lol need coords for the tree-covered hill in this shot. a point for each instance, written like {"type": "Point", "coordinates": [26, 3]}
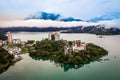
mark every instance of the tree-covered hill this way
{"type": "Point", "coordinates": [5, 59]}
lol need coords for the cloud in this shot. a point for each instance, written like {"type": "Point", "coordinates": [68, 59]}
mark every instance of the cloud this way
{"type": "Point", "coordinates": [77, 8]}
{"type": "Point", "coordinates": [51, 23]}
{"type": "Point", "coordinates": [44, 19]}
{"type": "Point", "coordinates": [110, 23]}
{"type": "Point", "coordinates": [111, 16]}
{"type": "Point", "coordinates": [43, 23]}
{"type": "Point", "coordinates": [51, 16]}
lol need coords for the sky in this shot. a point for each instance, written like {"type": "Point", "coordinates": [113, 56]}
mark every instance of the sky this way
{"type": "Point", "coordinates": [12, 11]}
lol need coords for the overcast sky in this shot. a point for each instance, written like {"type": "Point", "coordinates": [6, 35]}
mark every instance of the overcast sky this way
{"type": "Point", "coordinates": [82, 9]}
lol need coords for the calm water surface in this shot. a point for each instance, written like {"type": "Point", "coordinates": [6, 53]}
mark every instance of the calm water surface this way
{"type": "Point", "coordinates": [31, 69]}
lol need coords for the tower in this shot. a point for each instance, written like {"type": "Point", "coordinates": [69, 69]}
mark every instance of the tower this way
{"type": "Point", "coordinates": [10, 40]}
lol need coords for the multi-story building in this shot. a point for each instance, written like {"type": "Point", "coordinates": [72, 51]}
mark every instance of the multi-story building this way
{"type": "Point", "coordinates": [78, 45]}
{"type": "Point", "coordinates": [10, 40]}
{"type": "Point", "coordinates": [54, 36]}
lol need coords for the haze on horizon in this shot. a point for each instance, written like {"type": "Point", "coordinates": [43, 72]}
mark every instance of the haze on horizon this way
{"type": "Point", "coordinates": [13, 12]}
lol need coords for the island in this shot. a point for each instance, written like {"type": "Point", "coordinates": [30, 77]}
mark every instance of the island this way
{"type": "Point", "coordinates": [55, 50]}
{"type": "Point", "coordinates": [69, 53]}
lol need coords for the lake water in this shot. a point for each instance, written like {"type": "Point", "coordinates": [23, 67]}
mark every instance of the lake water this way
{"type": "Point", "coordinates": [31, 69]}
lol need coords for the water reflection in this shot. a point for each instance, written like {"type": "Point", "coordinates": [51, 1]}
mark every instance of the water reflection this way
{"type": "Point", "coordinates": [65, 67]}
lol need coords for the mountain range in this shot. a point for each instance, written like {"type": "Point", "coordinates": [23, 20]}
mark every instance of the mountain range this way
{"type": "Point", "coordinates": [51, 16]}
{"type": "Point", "coordinates": [98, 30]}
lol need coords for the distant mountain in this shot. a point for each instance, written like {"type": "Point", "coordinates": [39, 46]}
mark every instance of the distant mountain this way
{"type": "Point", "coordinates": [51, 16]}
{"type": "Point", "coordinates": [111, 16]}
{"type": "Point", "coordinates": [98, 30]}
{"type": "Point", "coordinates": [30, 29]}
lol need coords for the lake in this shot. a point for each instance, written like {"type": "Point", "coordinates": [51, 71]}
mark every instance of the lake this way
{"type": "Point", "coordinates": [35, 69]}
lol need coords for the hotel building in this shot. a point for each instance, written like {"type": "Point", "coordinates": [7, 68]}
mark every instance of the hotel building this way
{"type": "Point", "coordinates": [55, 36]}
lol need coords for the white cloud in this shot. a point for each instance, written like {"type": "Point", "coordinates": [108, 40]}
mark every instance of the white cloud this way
{"type": "Point", "coordinates": [83, 9]}
{"type": "Point", "coordinates": [110, 23]}
{"type": "Point", "coordinates": [50, 23]}
{"type": "Point", "coordinates": [43, 23]}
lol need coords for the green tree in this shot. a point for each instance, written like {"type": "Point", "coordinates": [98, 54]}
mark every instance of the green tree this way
{"type": "Point", "coordinates": [3, 37]}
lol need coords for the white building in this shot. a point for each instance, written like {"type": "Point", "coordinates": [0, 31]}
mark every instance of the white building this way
{"type": "Point", "coordinates": [14, 50]}
{"type": "Point", "coordinates": [17, 41]}
{"type": "Point", "coordinates": [68, 50]}
{"type": "Point", "coordinates": [1, 43]}
{"type": "Point", "coordinates": [54, 36]}
{"type": "Point", "coordinates": [10, 40]}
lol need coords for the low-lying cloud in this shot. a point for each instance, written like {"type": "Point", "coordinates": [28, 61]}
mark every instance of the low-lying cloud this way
{"type": "Point", "coordinates": [50, 23]}
{"type": "Point", "coordinates": [110, 23]}
{"type": "Point", "coordinates": [43, 23]}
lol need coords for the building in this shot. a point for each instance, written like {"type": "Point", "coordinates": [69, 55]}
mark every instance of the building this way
{"type": "Point", "coordinates": [14, 50]}
{"type": "Point", "coordinates": [13, 41]}
{"type": "Point", "coordinates": [1, 43]}
{"type": "Point", "coordinates": [78, 45]}
{"type": "Point", "coordinates": [10, 40]}
{"type": "Point", "coordinates": [17, 41]}
{"type": "Point", "coordinates": [54, 36]}
{"type": "Point", "coordinates": [68, 50]}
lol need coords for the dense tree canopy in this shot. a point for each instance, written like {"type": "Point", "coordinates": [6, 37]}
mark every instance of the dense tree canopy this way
{"type": "Point", "coordinates": [47, 47]}
{"type": "Point", "coordinates": [54, 50]}
{"type": "Point", "coordinates": [3, 37]}
{"type": "Point", "coordinates": [5, 59]}
{"type": "Point", "coordinates": [30, 41]}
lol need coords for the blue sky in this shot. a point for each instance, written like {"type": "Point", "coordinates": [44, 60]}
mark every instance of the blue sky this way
{"type": "Point", "coordinates": [82, 9]}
